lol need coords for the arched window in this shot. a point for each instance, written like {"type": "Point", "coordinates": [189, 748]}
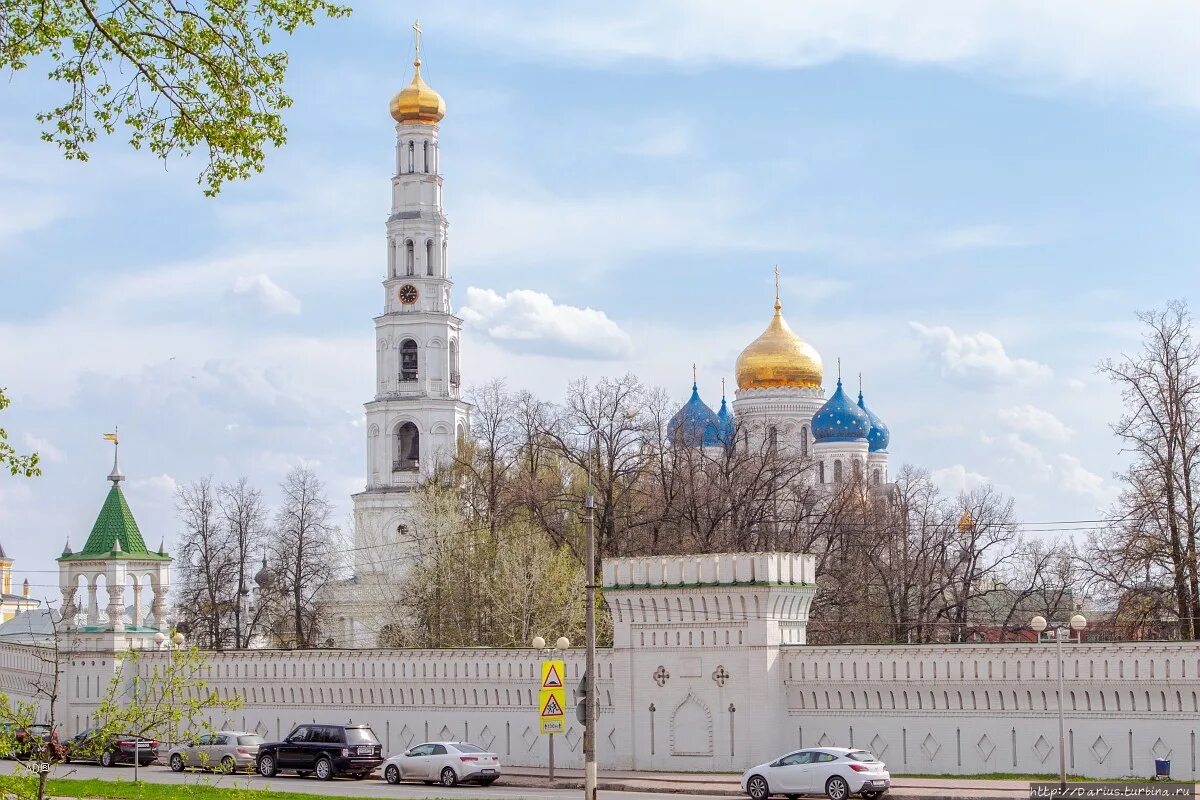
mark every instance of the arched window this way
{"type": "Point", "coordinates": [772, 438]}
{"type": "Point", "coordinates": [427, 156]}
{"type": "Point", "coordinates": [857, 470]}
{"type": "Point", "coordinates": [454, 374]}
{"type": "Point", "coordinates": [428, 256]}
{"type": "Point", "coordinates": [820, 472]}
{"type": "Point", "coordinates": [408, 447]}
{"type": "Point", "coordinates": [444, 271]}
{"type": "Point", "coordinates": [878, 477]}
{"type": "Point", "coordinates": [837, 471]}
{"type": "Point", "coordinates": [408, 360]}
{"type": "Point", "coordinates": [804, 441]}
{"type": "Point", "coordinates": [411, 156]}
{"type": "Point", "coordinates": [410, 258]}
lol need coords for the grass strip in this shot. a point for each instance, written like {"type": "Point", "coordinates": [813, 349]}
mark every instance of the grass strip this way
{"type": "Point", "coordinates": [94, 788]}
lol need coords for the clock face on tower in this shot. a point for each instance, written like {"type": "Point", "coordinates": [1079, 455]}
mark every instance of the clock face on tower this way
{"type": "Point", "coordinates": [407, 294]}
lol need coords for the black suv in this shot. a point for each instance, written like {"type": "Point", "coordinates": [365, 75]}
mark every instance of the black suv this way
{"type": "Point", "coordinates": [324, 751]}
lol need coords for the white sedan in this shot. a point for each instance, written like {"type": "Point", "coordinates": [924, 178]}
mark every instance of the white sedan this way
{"type": "Point", "coordinates": [447, 763]}
{"type": "Point", "coordinates": [836, 772]}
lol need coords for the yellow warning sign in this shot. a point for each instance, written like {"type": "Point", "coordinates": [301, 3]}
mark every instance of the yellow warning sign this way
{"type": "Point", "coordinates": [552, 707]}
{"type": "Point", "coordinates": [552, 674]}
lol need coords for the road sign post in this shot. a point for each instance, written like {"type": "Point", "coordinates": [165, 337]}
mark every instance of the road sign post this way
{"type": "Point", "coordinates": [552, 705]}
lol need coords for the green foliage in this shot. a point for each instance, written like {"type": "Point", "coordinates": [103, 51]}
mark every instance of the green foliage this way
{"type": "Point", "coordinates": [125, 790]}
{"type": "Point", "coordinates": [9, 458]}
{"type": "Point", "coordinates": [178, 76]}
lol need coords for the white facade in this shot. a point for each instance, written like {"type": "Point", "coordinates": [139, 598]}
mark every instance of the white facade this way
{"type": "Point", "coordinates": [709, 671]}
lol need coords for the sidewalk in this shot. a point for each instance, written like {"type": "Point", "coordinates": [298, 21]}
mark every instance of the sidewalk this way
{"type": "Point", "coordinates": [726, 784]}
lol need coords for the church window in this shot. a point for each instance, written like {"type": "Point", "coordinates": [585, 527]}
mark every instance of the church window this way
{"type": "Point", "coordinates": [455, 378]}
{"type": "Point", "coordinates": [857, 470]}
{"type": "Point", "coordinates": [427, 156]}
{"type": "Point", "coordinates": [428, 256]}
{"type": "Point", "coordinates": [804, 441]}
{"type": "Point", "coordinates": [837, 471]}
{"type": "Point", "coordinates": [408, 447]}
{"type": "Point", "coordinates": [408, 360]}
{"type": "Point", "coordinates": [878, 476]}
{"type": "Point", "coordinates": [444, 260]}
{"type": "Point", "coordinates": [772, 438]}
{"type": "Point", "coordinates": [820, 472]}
{"type": "Point", "coordinates": [411, 156]}
{"type": "Point", "coordinates": [409, 257]}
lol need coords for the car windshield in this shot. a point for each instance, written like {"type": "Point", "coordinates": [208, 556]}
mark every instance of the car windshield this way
{"type": "Point", "coordinates": [360, 736]}
{"type": "Point", "coordinates": [861, 755]}
{"type": "Point", "coordinates": [250, 738]}
{"type": "Point", "coordinates": [463, 747]}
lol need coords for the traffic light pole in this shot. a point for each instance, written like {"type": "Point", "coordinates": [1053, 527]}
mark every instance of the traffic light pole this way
{"type": "Point", "coordinates": [590, 701]}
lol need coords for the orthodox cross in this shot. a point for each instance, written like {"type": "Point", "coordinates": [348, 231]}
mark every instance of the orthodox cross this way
{"type": "Point", "coordinates": [776, 283]}
{"type": "Point", "coordinates": [720, 675]}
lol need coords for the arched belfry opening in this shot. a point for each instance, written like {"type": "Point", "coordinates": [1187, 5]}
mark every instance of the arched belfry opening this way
{"type": "Point", "coordinates": [408, 447]}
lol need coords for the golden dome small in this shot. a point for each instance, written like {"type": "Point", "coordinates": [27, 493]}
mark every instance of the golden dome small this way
{"type": "Point", "coordinates": [779, 359]}
{"type": "Point", "coordinates": [418, 103]}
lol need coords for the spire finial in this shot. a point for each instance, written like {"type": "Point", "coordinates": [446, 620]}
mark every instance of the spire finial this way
{"type": "Point", "coordinates": [116, 476]}
{"type": "Point", "coordinates": [860, 384]}
{"type": "Point", "coordinates": [722, 390]}
{"type": "Point", "coordinates": [694, 381]}
{"type": "Point", "coordinates": [839, 370]}
{"type": "Point", "coordinates": [778, 305]}
{"type": "Point", "coordinates": [417, 46]}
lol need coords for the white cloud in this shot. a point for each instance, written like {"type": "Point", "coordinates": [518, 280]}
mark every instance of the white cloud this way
{"type": "Point", "coordinates": [46, 450]}
{"type": "Point", "coordinates": [957, 479]}
{"type": "Point", "coordinates": [1076, 385]}
{"type": "Point", "coordinates": [272, 297]}
{"type": "Point", "coordinates": [972, 357]}
{"type": "Point", "coordinates": [1152, 49]}
{"type": "Point", "coordinates": [531, 321]}
{"type": "Point", "coordinates": [1074, 477]}
{"type": "Point", "coordinates": [1035, 421]}
{"type": "Point", "coordinates": [161, 484]}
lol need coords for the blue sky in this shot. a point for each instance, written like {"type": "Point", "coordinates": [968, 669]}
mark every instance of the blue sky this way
{"type": "Point", "coordinates": [967, 203]}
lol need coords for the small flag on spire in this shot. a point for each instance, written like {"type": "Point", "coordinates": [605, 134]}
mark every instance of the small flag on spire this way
{"type": "Point", "coordinates": [111, 437]}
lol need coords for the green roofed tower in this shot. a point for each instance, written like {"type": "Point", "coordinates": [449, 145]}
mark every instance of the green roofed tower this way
{"type": "Point", "coordinates": [116, 552]}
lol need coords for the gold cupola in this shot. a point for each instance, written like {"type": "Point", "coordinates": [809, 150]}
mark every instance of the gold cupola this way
{"type": "Point", "coordinates": [779, 358]}
{"type": "Point", "coordinates": [418, 103]}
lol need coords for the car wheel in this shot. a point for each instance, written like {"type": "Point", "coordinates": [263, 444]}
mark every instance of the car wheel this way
{"type": "Point", "coordinates": [228, 765]}
{"type": "Point", "coordinates": [757, 788]}
{"type": "Point", "coordinates": [176, 762]}
{"type": "Point", "coordinates": [449, 777]}
{"type": "Point", "coordinates": [266, 766]}
{"type": "Point", "coordinates": [391, 774]}
{"type": "Point", "coordinates": [836, 788]}
{"type": "Point", "coordinates": [324, 770]}
{"type": "Point", "coordinates": [107, 759]}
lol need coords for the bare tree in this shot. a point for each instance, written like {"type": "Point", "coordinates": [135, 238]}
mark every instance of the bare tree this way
{"type": "Point", "coordinates": [244, 517]}
{"type": "Point", "coordinates": [207, 565]}
{"type": "Point", "coordinates": [306, 551]}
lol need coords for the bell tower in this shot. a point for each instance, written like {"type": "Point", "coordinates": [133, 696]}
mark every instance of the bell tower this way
{"type": "Point", "coordinates": [417, 415]}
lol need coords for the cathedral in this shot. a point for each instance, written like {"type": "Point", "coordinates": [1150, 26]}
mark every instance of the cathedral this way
{"type": "Point", "coordinates": [418, 415]}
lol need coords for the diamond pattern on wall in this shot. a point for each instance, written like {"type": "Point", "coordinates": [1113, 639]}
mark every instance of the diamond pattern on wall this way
{"type": "Point", "coordinates": [486, 737]}
{"type": "Point", "coordinates": [446, 734]}
{"type": "Point", "coordinates": [878, 745]}
{"type": "Point", "coordinates": [529, 737]}
{"type": "Point", "coordinates": [1161, 749]}
{"type": "Point", "coordinates": [261, 728]}
{"type": "Point", "coordinates": [930, 746]}
{"type": "Point", "coordinates": [1100, 749]}
{"type": "Point", "coordinates": [986, 747]}
{"type": "Point", "coordinates": [1042, 748]}
{"type": "Point", "coordinates": [824, 741]}
{"type": "Point", "coordinates": [612, 738]}
{"type": "Point", "coordinates": [572, 738]}
{"type": "Point", "coordinates": [407, 737]}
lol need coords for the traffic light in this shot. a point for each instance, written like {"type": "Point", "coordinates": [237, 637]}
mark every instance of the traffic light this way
{"type": "Point", "coordinates": [581, 706]}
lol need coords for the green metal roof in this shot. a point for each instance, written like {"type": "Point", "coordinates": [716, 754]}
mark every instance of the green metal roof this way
{"type": "Point", "coordinates": [114, 524]}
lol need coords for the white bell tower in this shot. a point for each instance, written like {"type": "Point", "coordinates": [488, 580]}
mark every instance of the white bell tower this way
{"type": "Point", "coordinates": [417, 415]}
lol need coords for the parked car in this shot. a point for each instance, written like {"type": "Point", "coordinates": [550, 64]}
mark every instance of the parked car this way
{"type": "Point", "coordinates": [447, 763]}
{"type": "Point", "coordinates": [23, 742]}
{"type": "Point", "coordinates": [109, 750]}
{"type": "Point", "coordinates": [227, 751]}
{"type": "Point", "coordinates": [323, 750]}
{"type": "Point", "coordinates": [836, 772]}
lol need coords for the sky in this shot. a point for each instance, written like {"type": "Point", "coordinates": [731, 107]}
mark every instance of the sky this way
{"type": "Point", "coordinates": [967, 203]}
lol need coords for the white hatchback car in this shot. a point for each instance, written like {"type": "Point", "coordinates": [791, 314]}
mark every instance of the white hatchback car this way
{"type": "Point", "coordinates": [836, 772]}
{"type": "Point", "coordinates": [447, 763]}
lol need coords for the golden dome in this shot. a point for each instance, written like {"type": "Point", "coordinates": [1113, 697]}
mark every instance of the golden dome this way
{"type": "Point", "coordinates": [418, 103]}
{"type": "Point", "coordinates": [779, 358]}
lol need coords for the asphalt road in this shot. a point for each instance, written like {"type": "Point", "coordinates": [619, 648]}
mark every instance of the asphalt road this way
{"type": "Point", "coordinates": [371, 787]}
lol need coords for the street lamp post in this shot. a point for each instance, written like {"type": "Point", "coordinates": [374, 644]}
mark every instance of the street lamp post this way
{"type": "Point", "coordinates": [1061, 631]}
{"type": "Point", "coordinates": [560, 645]}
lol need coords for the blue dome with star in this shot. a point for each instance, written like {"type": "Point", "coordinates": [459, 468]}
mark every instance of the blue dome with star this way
{"type": "Point", "coordinates": [695, 423]}
{"type": "Point", "coordinates": [879, 436]}
{"type": "Point", "coordinates": [839, 420]}
{"type": "Point", "coordinates": [725, 428]}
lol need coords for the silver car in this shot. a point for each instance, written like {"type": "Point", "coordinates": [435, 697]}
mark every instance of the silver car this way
{"type": "Point", "coordinates": [224, 751]}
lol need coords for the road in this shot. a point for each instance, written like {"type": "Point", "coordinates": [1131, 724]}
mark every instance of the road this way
{"type": "Point", "coordinates": [372, 787]}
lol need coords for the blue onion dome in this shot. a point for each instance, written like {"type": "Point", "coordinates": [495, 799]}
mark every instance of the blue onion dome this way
{"type": "Point", "coordinates": [695, 423]}
{"type": "Point", "coordinates": [839, 420]}
{"type": "Point", "coordinates": [725, 428]}
{"type": "Point", "coordinates": [879, 435]}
